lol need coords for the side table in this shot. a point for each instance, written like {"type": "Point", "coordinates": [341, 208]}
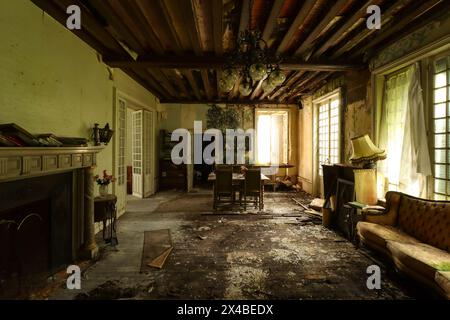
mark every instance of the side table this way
{"type": "Point", "coordinates": [105, 210]}
{"type": "Point", "coordinates": [356, 214]}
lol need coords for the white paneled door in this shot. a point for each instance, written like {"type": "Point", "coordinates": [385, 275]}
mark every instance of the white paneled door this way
{"type": "Point", "coordinates": [121, 183]}
{"type": "Point", "coordinates": [142, 153]}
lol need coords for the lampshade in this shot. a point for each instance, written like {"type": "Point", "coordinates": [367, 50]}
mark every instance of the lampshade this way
{"type": "Point", "coordinates": [365, 151]}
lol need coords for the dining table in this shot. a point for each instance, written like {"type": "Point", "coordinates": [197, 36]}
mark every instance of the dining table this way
{"type": "Point", "coordinates": [239, 177]}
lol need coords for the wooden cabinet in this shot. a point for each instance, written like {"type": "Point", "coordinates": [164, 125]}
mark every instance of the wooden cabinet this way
{"type": "Point", "coordinates": [172, 176]}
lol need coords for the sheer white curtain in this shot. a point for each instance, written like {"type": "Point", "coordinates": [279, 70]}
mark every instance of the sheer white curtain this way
{"type": "Point", "coordinates": [403, 134]}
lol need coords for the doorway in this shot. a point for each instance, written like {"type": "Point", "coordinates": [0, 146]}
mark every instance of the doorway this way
{"type": "Point", "coordinates": [134, 142]}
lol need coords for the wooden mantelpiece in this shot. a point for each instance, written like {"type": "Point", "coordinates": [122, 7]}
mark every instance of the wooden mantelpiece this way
{"type": "Point", "coordinates": [18, 163]}
{"type": "Point", "coordinates": [30, 162]}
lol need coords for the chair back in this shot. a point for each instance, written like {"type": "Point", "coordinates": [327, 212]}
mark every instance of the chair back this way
{"type": "Point", "coordinates": [224, 180]}
{"type": "Point", "coordinates": [237, 168]}
{"type": "Point", "coordinates": [253, 180]}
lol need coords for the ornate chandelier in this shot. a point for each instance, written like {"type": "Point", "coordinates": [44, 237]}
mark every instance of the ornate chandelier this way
{"type": "Point", "coordinates": [252, 62]}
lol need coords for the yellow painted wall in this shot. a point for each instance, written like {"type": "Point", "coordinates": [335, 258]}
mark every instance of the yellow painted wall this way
{"type": "Point", "coordinates": [51, 81]}
{"type": "Point", "coordinates": [182, 116]}
{"type": "Point", "coordinates": [305, 145]}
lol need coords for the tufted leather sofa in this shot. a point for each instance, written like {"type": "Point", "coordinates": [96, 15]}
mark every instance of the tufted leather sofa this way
{"type": "Point", "coordinates": [415, 234]}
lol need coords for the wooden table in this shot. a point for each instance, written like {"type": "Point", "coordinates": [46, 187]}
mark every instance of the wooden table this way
{"type": "Point", "coordinates": [239, 177]}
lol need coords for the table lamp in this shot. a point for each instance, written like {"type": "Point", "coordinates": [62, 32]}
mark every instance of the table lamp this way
{"type": "Point", "coordinates": [366, 154]}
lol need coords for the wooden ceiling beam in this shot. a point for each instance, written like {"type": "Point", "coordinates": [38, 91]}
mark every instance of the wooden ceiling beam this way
{"type": "Point", "coordinates": [335, 9]}
{"type": "Point", "coordinates": [207, 84]}
{"type": "Point", "coordinates": [302, 82]}
{"type": "Point", "coordinates": [288, 83]}
{"type": "Point", "coordinates": [257, 89]}
{"type": "Point", "coordinates": [225, 101]}
{"type": "Point", "coordinates": [162, 78]}
{"type": "Point", "coordinates": [387, 17]}
{"type": "Point", "coordinates": [218, 77]}
{"type": "Point", "coordinates": [235, 91]}
{"type": "Point", "coordinates": [272, 19]}
{"type": "Point", "coordinates": [358, 16]}
{"type": "Point", "coordinates": [213, 62]}
{"type": "Point", "coordinates": [297, 23]}
{"type": "Point", "coordinates": [179, 80]}
{"type": "Point", "coordinates": [114, 24]}
{"type": "Point", "coordinates": [144, 78]}
{"type": "Point", "coordinates": [54, 11]}
{"type": "Point", "coordinates": [245, 16]}
{"type": "Point", "coordinates": [217, 14]}
{"type": "Point", "coordinates": [404, 20]}
{"type": "Point", "coordinates": [193, 83]}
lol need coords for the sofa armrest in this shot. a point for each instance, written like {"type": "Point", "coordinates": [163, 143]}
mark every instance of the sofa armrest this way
{"type": "Point", "coordinates": [389, 215]}
{"type": "Point", "coordinates": [385, 218]}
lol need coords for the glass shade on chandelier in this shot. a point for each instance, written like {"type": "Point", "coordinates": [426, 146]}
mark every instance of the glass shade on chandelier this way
{"type": "Point", "coordinates": [245, 88]}
{"type": "Point", "coordinates": [267, 86]}
{"type": "Point", "coordinates": [257, 71]}
{"type": "Point", "coordinates": [230, 75]}
{"type": "Point", "coordinates": [226, 85]}
{"type": "Point", "coordinates": [277, 77]}
{"type": "Point", "coordinates": [251, 61]}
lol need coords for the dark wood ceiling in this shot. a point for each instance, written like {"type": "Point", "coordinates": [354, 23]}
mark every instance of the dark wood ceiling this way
{"type": "Point", "coordinates": [176, 48]}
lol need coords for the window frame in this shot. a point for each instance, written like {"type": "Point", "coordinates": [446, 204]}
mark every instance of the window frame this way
{"type": "Point", "coordinates": [432, 193]}
{"type": "Point", "coordinates": [316, 105]}
{"type": "Point", "coordinates": [425, 56]}
{"type": "Point", "coordinates": [288, 128]}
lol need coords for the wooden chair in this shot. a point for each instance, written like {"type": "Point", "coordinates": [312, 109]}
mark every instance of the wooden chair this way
{"type": "Point", "coordinates": [253, 187]}
{"type": "Point", "coordinates": [223, 186]}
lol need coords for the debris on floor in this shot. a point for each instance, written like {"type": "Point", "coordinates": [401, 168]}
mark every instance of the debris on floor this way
{"type": "Point", "coordinates": [110, 290]}
{"type": "Point", "coordinates": [156, 249]}
{"type": "Point", "coordinates": [244, 257]}
{"type": "Point", "coordinates": [317, 204]}
{"type": "Point", "coordinates": [300, 204]}
{"type": "Point", "coordinates": [159, 261]}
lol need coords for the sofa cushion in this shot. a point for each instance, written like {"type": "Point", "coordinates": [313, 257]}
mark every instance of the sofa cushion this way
{"type": "Point", "coordinates": [419, 258]}
{"type": "Point", "coordinates": [443, 280]}
{"type": "Point", "coordinates": [428, 221]}
{"type": "Point", "coordinates": [377, 235]}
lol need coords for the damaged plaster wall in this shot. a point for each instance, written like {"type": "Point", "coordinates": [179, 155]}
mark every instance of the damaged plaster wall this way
{"type": "Point", "coordinates": [356, 119]}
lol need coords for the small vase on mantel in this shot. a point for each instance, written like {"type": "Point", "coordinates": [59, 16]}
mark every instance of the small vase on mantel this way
{"type": "Point", "coordinates": [103, 190]}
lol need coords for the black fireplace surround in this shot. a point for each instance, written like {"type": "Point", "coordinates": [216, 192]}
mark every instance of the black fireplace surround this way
{"type": "Point", "coordinates": [36, 230]}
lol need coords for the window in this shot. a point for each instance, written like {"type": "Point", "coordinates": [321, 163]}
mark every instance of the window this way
{"type": "Point", "coordinates": [271, 136]}
{"type": "Point", "coordinates": [441, 127]}
{"type": "Point", "coordinates": [328, 128]}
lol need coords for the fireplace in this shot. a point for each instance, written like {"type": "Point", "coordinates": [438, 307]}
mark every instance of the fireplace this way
{"type": "Point", "coordinates": [36, 231]}
{"type": "Point", "coordinates": [46, 213]}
